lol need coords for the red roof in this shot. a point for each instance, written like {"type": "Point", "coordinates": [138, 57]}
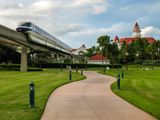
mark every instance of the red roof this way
{"type": "Point", "coordinates": [150, 39]}
{"type": "Point", "coordinates": [130, 40]}
{"type": "Point", "coordinates": [97, 57]}
{"type": "Point", "coordinates": [127, 40]}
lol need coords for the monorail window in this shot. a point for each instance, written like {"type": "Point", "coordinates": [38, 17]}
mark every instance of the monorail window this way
{"type": "Point", "coordinates": [25, 24]}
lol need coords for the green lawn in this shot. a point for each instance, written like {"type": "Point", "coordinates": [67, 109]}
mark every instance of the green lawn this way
{"type": "Point", "coordinates": [14, 92]}
{"type": "Point", "coordinates": [141, 88]}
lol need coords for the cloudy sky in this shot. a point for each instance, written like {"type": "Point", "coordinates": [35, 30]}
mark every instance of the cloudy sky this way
{"type": "Point", "coordinates": [78, 22]}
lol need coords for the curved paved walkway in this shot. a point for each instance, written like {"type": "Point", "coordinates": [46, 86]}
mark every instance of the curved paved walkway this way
{"type": "Point", "coordinates": [90, 99]}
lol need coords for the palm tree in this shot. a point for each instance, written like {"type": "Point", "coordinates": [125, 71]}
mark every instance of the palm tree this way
{"type": "Point", "coordinates": [141, 45]}
{"type": "Point", "coordinates": [104, 42]}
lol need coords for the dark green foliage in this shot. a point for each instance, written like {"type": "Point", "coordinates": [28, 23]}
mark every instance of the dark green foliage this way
{"type": "Point", "coordinates": [8, 55]}
{"type": "Point", "coordinates": [140, 50]}
{"type": "Point", "coordinates": [9, 66]}
{"type": "Point", "coordinates": [58, 65]}
{"type": "Point", "coordinates": [113, 54]}
{"type": "Point", "coordinates": [108, 49]}
{"type": "Point", "coordinates": [16, 67]}
{"type": "Point", "coordinates": [91, 51]}
{"type": "Point", "coordinates": [133, 53]}
{"type": "Point", "coordinates": [67, 61]}
{"type": "Point", "coordinates": [34, 69]}
{"type": "Point", "coordinates": [104, 42]}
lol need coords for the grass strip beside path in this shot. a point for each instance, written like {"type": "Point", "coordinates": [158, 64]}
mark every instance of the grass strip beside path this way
{"type": "Point", "coordinates": [14, 92]}
{"type": "Point", "coordinates": [140, 88]}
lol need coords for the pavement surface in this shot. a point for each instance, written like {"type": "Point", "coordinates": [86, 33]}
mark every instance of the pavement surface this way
{"type": "Point", "coordinates": [90, 99]}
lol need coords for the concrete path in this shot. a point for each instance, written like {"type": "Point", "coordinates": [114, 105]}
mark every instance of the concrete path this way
{"type": "Point", "coordinates": [90, 99]}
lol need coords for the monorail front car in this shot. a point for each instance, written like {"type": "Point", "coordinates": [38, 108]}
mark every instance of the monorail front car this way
{"type": "Point", "coordinates": [39, 36]}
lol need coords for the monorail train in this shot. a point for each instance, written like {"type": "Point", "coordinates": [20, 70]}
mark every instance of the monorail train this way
{"type": "Point", "coordinates": [39, 36]}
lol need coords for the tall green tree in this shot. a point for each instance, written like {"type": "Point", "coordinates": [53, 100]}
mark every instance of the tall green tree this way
{"type": "Point", "coordinates": [123, 52]}
{"type": "Point", "coordinates": [113, 53]}
{"type": "Point", "coordinates": [109, 49]}
{"type": "Point", "coordinates": [104, 42]}
{"type": "Point", "coordinates": [158, 49]}
{"type": "Point", "coordinates": [91, 51]}
{"type": "Point", "coordinates": [141, 45]}
{"type": "Point", "coordinates": [131, 52]}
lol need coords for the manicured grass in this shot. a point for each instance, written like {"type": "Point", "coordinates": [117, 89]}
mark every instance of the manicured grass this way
{"type": "Point", "coordinates": [141, 88]}
{"type": "Point", "coordinates": [14, 92]}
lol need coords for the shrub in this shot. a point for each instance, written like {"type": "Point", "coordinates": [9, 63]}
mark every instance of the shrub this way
{"type": "Point", "coordinates": [16, 67]}
{"type": "Point", "coordinates": [138, 61]}
{"type": "Point", "coordinates": [63, 65]}
{"type": "Point", "coordinates": [151, 62]}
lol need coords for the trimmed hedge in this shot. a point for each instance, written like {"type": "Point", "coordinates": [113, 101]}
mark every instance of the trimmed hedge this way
{"type": "Point", "coordinates": [38, 67]}
{"type": "Point", "coordinates": [151, 62]}
{"type": "Point", "coordinates": [16, 67]}
{"type": "Point", "coordinates": [9, 66]}
{"type": "Point", "coordinates": [34, 69]}
{"type": "Point", "coordinates": [59, 65]}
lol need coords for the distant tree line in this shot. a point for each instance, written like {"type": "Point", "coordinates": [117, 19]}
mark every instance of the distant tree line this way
{"type": "Point", "coordinates": [137, 52]}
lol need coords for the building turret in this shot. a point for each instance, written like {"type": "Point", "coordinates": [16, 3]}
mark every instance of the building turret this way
{"type": "Point", "coordinates": [116, 39]}
{"type": "Point", "coordinates": [136, 31]}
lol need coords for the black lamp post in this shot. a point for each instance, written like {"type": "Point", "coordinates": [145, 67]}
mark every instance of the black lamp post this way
{"type": "Point", "coordinates": [81, 71]}
{"type": "Point", "coordinates": [122, 74]}
{"type": "Point", "coordinates": [86, 67]}
{"type": "Point", "coordinates": [31, 95]}
{"type": "Point", "coordinates": [61, 67]}
{"type": "Point", "coordinates": [70, 73]}
{"type": "Point", "coordinates": [77, 68]}
{"type": "Point", "coordinates": [118, 82]}
{"type": "Point", "coordinates": [104, 70]}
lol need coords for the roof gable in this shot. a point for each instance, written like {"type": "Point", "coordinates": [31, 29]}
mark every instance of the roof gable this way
{"type": "Point", "coordinates": [97, 57]}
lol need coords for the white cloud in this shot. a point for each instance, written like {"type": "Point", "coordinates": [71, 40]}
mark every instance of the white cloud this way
{"type": "Point", "coordinates": [114, 29]}
{"type": "Point", "coordinates": [90, 6]}
{"type": "Point", "coordinates": [150, 31]}
{"type": "Point", "coordinates": [63, 29]}
{"type": "Point", "coordinates": [49, 11]}
{"type": "Point", "coordinates": [91, 34]}
{"type": "Point", "coordinates": [78, 3]}
{"type": "Point", "coordinates": [97, 9]}
{"type": "Point", "coordinates": [38, 12]}
{"type": "Point", "coordinates": [34, 9]}
{"type": "Point", "coordinates": [42, 6]}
